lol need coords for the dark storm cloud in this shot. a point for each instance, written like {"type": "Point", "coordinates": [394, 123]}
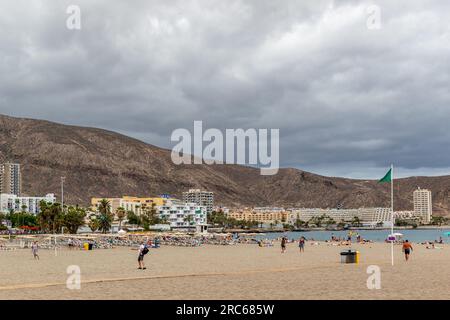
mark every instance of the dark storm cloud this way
{"type": "Point", "coordinates": [347, 100]}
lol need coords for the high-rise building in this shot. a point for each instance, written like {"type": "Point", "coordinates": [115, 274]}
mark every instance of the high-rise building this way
{"type": "Point", "coordinates": [31, 205]}
{"type": "Point", "coordinates": [423, 206]}
{"type": "Point", "coordinates": [10, 178]}
{"type": "Point", "coordinates": [200, 197]}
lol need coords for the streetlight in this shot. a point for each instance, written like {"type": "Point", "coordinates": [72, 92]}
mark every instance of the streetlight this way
{"type": "Point", "coordinates": [63, 179]}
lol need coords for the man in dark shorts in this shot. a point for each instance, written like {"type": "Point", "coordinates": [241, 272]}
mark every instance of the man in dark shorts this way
{"type": "Point", "coordinates": [141, 253]}
{"type": "Point", "coordinates": [407, 248]}
{"type": "Point", "coordinates": [283, 244]}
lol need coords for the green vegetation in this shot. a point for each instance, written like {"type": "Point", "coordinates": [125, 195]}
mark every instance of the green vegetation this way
{"type": "Point", "coordinates": [149, 217]}
{"type": "Point", "coordinates": [104, 216]}
{"type": "Point", "coordinates": [74, 218]}
{"type": "Point", "coordinates": [356, 222]}
{"type": "Point", "coordinates": [405, 223]}
{"type": "Point", "coordinates": [133, 218]}
{"type": "Point", "coordinates": [300, 223]}
{"type": "Point", "coordinates": [321, 221]}
{"type": "Point", "coordinates": [53, 219]}
{"type": "Point", "coordinates": [19, 219]}
{"type": "Point", "coordinates": [439, 220]}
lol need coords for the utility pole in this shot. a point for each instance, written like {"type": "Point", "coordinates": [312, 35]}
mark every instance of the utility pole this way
{"type": "Point", "coordinates": [63, 179]}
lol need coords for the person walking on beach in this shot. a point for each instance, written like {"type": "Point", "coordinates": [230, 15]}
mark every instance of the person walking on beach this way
{"type": "Point", "coordinates": [143, 250]}
{"type": "Point", "coordinates": [301, 244]}
{"type": "Point", "coordinates": [34, 250]}
{"type": "Point", "coordinates": [407, 248]}
{"type": "Point", "coordinates": [283, 244]}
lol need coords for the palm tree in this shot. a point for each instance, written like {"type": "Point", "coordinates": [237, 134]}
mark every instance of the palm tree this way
{"type": "Point", "coordinates": [188, 219]}
{"type": "Point", "coordinates": [164, 220]}
{"type": "Point", "coordinates": [94, 225]}
{"type": "Point", "coordinates": [120, 213]}
{"type": "Point", "coordinates": [105, 217]}
{"type": "Point", "coordinates": [356, 222]}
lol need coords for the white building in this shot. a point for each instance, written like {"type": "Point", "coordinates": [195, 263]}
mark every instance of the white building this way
{"type": "Point", "coordinates": [423, 206]}
{"type": "Point", "coordinates": [10, 202]}
{"type": "Point", "coordinates": [200, 197]}
{"type": "Point", "coordinates": [268, 209]}
{"type": "Point", "coordinates": [368, 216]}
{"type": "Point", "coordinates": [183, 215]}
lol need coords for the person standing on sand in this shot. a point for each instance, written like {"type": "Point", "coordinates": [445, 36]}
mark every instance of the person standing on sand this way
{"type": "Point", "coordinates": [283, 244]}
{"type": "Point", "coordinates": [301, 244]}
{"type": "Point", "coordinates": [143, 250]}
{"type": "Point", "coordinates": [407, 248]}
{"type": "Point", "coordinates": [34, 250]}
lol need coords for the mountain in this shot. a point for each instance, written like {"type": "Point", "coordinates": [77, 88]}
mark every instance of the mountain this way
{"type": "Point", "coordinates": [101, 163]}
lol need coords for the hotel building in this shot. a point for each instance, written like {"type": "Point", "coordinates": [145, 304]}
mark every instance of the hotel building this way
{"type": "Point", "coordinates": [369, 216]}
{"type": "Point", "coordinates": [10, 202]}
{"type": "Point", "coordinates": [200, 197]}
{"type": "Point", "coordinates": [183, 215]}
{"type": "Point", "coordinates": [423, 206]}
{"type": "Point", "coordinates": [10, 178]}
{"type": "Point", "coordinates": [134, 204]}
{"type": "Point", "coordinates": [265, 217]}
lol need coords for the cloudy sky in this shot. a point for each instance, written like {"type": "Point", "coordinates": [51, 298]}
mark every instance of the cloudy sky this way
{"type": "Point", "coordinates": [350, 93]}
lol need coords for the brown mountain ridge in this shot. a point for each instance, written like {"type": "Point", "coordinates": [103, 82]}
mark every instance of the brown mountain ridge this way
{"type": "Point", "coordinates": [102, 163]}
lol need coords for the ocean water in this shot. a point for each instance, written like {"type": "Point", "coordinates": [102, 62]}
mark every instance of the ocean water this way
{"type": "Point", "coordinates": [373, 235]}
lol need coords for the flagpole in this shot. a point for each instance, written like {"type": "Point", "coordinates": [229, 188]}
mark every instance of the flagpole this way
{"type": "Point", "coordinates": [392, 213]}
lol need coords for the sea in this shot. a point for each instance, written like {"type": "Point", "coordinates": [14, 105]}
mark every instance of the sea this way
{"type": "Point", "coordinates": [412, 235]}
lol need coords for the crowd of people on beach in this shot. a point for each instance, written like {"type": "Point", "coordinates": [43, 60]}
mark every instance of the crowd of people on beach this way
{"type": "Point", "coordinates": [142, 242]}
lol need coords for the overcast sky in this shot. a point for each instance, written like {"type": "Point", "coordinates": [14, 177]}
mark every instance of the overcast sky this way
{"type": "Point", "coordinates": [348, 99]}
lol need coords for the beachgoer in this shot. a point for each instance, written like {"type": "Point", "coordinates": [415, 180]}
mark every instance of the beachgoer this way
{"type": "Point", "coordinates": [301, 244]}
{"type": "Point", "coordinates": [34, 250]}
{"type": "Point", "coordinates": [143, 250]}
{"type": "Point", "coordinates": [283, 244]}
{"type": "Point", "coordinates": [70, 243]}
{"type": "Point", "coordinates": [407, 248]}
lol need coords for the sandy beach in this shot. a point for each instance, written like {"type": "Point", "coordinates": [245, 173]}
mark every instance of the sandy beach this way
{"type": "Point", "coordinates": [227, 272]}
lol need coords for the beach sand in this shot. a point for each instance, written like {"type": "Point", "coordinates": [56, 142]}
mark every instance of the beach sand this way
{"type": "Point", "coordinates": [227, 272]}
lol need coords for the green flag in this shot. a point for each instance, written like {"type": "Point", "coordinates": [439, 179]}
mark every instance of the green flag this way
{"type": "Point", "coordinates": [387, 177]}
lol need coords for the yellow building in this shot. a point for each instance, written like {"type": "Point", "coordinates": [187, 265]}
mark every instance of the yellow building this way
{"type": "Point", "coordinates": [129, 203]}
{"type": "Point", "coordinates": [264, 217]}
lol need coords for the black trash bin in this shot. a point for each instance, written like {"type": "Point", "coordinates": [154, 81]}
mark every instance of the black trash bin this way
{"type": "Point", "coordinates": [348, 256]}
{"type": "Point", "coordinates": [91, 246]}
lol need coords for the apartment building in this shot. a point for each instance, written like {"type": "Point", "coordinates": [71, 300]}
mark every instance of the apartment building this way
{"type": "Point", "coordinates": [423, 206]}
{"type": "Point", "coordinates": [31, 205]}
{"type": "Point", "coordinates": [183, 215]}
{"type": "Point", "coordinates": [134, 204]}
{"type": "Point", "coordinates": [367, 216]}
{"type": "Point", "coordinates": [265, 217]}
{"type": "Point", "coordinates": [200, 197]}
{"type": "Point", "coordinates": [10, 179]}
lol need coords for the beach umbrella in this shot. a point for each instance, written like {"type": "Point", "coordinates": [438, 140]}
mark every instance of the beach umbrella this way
{"type": "Point", "coordinates": [396, 234]}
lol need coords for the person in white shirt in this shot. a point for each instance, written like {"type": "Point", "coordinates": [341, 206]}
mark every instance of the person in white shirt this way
{"type": "Point", "coordinates": [141, 252]}
{"type": "Point", "coordinates": [34, 250]}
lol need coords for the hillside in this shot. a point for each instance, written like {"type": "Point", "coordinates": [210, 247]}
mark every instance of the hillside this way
{"type": "Point", "coordinates": [101, 163]}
